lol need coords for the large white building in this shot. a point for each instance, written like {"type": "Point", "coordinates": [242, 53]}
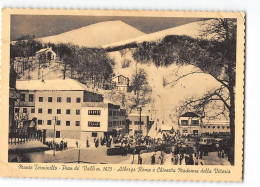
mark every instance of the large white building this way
{"type": "Point", "coordinates": [47, 99]}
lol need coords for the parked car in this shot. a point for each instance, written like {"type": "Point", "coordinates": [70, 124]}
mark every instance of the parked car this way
{"type": "Point", "coordinates": [118, 150]}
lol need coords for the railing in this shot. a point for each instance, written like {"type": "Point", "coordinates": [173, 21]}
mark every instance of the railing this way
{"type": "Point", "coordinates": [19, 136]}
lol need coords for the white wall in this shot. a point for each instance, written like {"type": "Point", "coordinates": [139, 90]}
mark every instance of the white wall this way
{"type": "Point", "coordinates": [102, 118]}
{"type": "Point", "coordinates": [54, 105]}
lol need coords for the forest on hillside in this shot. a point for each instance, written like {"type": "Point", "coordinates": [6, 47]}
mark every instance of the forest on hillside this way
{"type": "Point", "coordinates": [80, 63]}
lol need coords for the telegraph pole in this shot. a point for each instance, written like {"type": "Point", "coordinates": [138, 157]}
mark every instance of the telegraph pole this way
{"type": "Point", "coordinates": [140, 119]}
{"type": "Point", "coordinates": [54, 133]}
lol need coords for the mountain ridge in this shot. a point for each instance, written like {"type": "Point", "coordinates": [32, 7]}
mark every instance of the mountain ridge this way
{"type": "Point", "coordinates": [96, 35]}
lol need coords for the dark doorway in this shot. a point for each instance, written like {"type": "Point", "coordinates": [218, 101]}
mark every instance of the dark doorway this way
{"type": "Point", "coordinates": [57, 134]}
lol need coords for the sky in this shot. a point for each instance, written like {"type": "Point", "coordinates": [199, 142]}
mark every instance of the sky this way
{"type": "Point", "coordinates": [48, 25]}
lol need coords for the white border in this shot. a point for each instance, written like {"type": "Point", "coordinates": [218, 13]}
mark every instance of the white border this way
{"type": "Point", "coordinates": [252, 125]}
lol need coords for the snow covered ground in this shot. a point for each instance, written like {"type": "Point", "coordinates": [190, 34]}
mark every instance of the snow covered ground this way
{"type": "Point", "coordinates": [96, 35]}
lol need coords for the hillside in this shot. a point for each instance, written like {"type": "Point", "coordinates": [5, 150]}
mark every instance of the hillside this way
{"type": "Point", "coordinates": [190, 29]}
{"type": "Point", "coordinates": [96, 35]}
{"type": "Point", "coordinates": [165, 99]}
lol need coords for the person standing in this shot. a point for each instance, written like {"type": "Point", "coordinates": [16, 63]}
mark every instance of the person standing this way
{"type": "Point", "coordinates": [153, 159]}
{"type": "Point", "coordinates": [140, 160]}
{"type": "Point", "coordinates": [87, 144]}
{"type": "Point", "coordinates": [96, 144]}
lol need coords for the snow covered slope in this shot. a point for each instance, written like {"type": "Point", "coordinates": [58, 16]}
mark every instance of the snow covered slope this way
{"type": "Point", "coordinates": [165, 99]}
{"type": "Point", "coordinates": [191, 29]}
{"type": "Point", "coordinates": [96, 35]}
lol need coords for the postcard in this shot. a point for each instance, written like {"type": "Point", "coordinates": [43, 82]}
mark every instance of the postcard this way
{"type": "Point", "coordinates": [122, 94]}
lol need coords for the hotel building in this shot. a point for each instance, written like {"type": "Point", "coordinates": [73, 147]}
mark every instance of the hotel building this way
{"type": "Point", "coordinates": [102, 119]}
{"type": "Point", "coordinates": [55, 102]}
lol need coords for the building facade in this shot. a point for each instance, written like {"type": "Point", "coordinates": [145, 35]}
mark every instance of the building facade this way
{"type": "Point", "coordinates": [121, 82]}
{"type": "Point", "coordinates": [216, 127]}
{"type": "Point", "coordinates": [190, 123]}
{"type": "Point", "coordinates": [46, 53]}
{"type": "Point", "coordinates": [54, 102]}
{"type": "Point", "coordinates": [102, 120]}
{"type": "Point", "coordinates": [137, 126]}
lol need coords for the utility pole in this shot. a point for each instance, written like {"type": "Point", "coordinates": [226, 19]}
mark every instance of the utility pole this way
{"type": "Point", "coordinates": [54, 133]}
{"type": "Point", "coordinates": [140, 119]}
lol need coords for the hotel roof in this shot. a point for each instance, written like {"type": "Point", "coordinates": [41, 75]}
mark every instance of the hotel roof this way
{"type": "Point", "coordinates": [43, 50]}
{"type": "Point", "coordinates": [59, 84]}
{"type": "Point", "coordinates": [189, 114]}
{"type": "Point", "coordinates": [137, 115]}
{"type": "Point", "coordinates": [101, 104]}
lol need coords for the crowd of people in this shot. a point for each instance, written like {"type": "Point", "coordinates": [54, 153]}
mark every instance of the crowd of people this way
{"type": "Point", "coordinates": [57, 146]}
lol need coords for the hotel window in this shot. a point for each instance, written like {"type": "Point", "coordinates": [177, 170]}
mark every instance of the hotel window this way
{"type": "Point", "coordinates": [31, 97]}
{"type": "Point", "coordinates": [110, 124]}
{"type": "Point", "coordinates": [49, 111]}
{"type": "Point", "coordinates": [22, 97]}
{"type": "Point", "coordinates": [77, 123]}
{"type": "Point", "coordinates": [209, 127]}
{"type": "Point", "coordinates": [58, 122]}
{"type": "Point", "coordinates": [68, 111]}
{"type": "Point", "coordinates": [94, 134]}
{"type": "Point", "coordinates": [77, 112]}
{"type": "Point", "coordinates": [130, 122]}
{"type": "Point", "coordinates": [94, 112]}
{"type": "Point", "coordinates": [218, 127]}
{"type": "Point", "coordinates": [39, 110]}
{"type": "Point", "coordinates": [49, 122]}
{"type": "Point", "coordinates": [110, 113]}
{"type": "Point", "coordinates": [67, 123]}
{"type": "Point", "coordinates": [194, 122]}
{"type": "Point", "coordinates": [49, 99]}
{"type": "Point", "coordinates": [223, 127]}
{"type": "Point", "coordinates": [94, 124]}
{"type": "Point", "coordinates": [78, 99]}
{"type": "Point", "coordinates": [227, 127]}
{"type": "Point", "coordinates": [204, 127]}
{"type": "Point", "coordinates": [16, 110]}
{"type": "Point", "coordinates": [213, 127]}
{"type": "Point", "coordinates": [59, 99]}
{"type": "Point", "coordinates": [32, 110]}
{"type": "Point", "coordinates": [58, 111]}
{"type": "Point", "coordinates": [184, 122]}
{"type": "Point", "coordinates": [24, 110]}
{"type": "Point", "coordinates": [114, 113]}
{"type": "Point", "coordinates": [68, 99]}
{"type": "Point", "coordinates": [40, 99]}
{"type": "Point", "coordinates": [40, 122]}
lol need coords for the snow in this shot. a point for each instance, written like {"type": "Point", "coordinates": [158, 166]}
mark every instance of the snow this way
{"type": "Point", "coordinates": [96, 35]}
{"type": "Point", "coordinates": [136, 115]}
{"type": "Point", "coordinates": [190, 29]}
{"type": "Point", "coordinates": [165, 98]}
{"type": "Point", "coordinates": [58, 84]}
